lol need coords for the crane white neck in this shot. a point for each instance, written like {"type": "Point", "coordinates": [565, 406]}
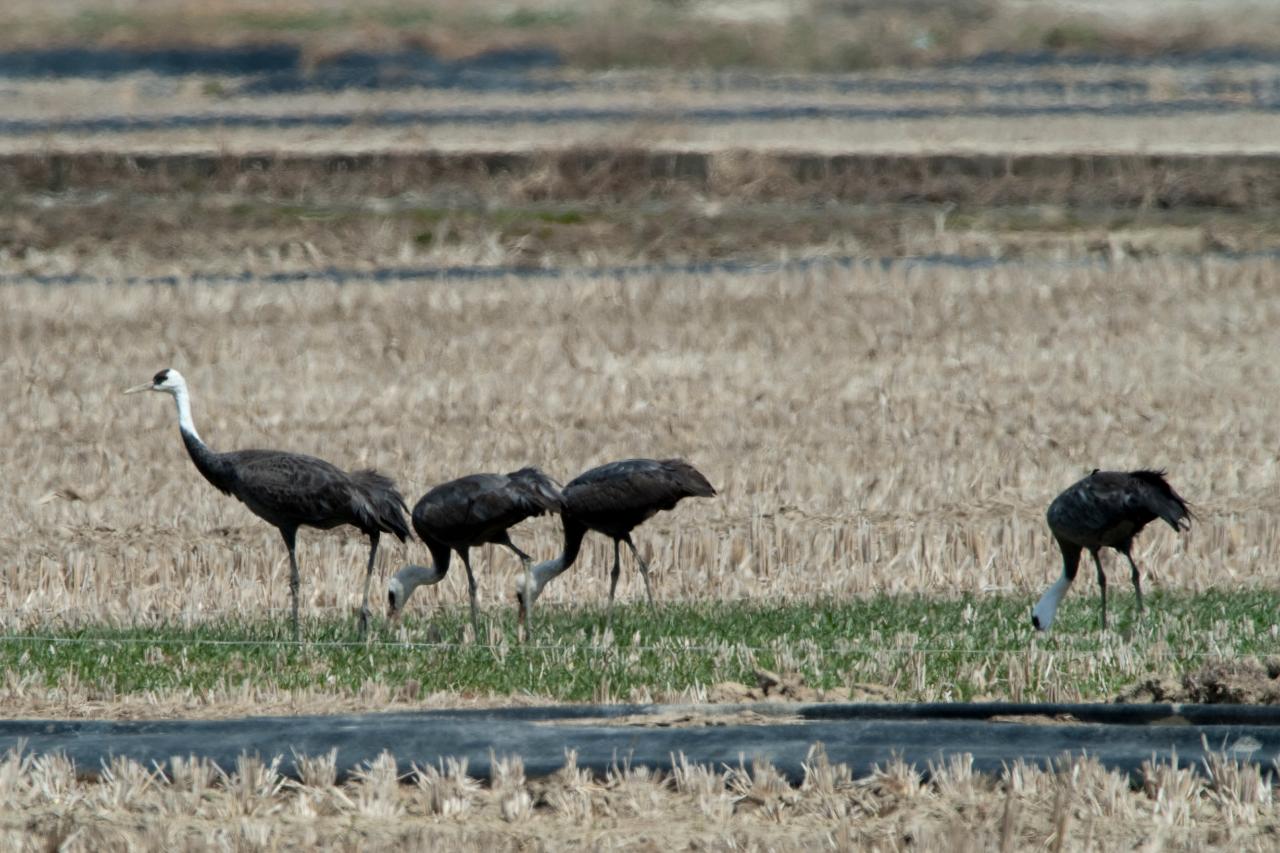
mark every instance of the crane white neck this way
{"type": "Point", "coordinates": [1047, 607]}
{"type": "Point", "coordinates": [543, 574]}
{"type": "Point", "coordinates": [183, 401]}
{"type": "Point", "coordinates": [410, 578]}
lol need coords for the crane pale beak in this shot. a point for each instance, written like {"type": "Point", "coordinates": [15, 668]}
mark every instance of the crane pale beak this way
{"type": "Point", "coordinates": [145, 386]}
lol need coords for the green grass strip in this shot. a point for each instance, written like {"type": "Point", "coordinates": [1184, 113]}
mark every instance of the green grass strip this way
{"type": "Point", "coordinates": [919, 649]}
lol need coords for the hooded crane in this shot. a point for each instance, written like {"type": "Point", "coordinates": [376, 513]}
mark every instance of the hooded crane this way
{"type": "Point", "coordinates": [1107, 509]}
{"type": "Point", "coordinates": [291, 490]}
{"type": "Point", "coordinates": [614, 499]}
{"type": "Point", "coordinates": [469, 512]}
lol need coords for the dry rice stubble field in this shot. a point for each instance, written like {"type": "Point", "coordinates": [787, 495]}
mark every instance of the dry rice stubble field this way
{"type": "Point", "coordinates": [870, 431]}
{"type": "Point", "coordinates": [1077, 805]}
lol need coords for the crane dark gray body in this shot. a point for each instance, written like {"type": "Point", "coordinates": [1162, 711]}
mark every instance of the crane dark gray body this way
{"type": "Point", "coordinates": [292, 490]}
{"type": "Point", "coordinates": [469, 512]}
{"type": "Point", "coordinates": [1107, 509]}
{"type": "Point", "coordinates": [615, 499]}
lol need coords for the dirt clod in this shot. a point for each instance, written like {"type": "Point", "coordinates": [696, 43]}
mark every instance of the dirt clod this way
{"type": "Point", "coordinates": [790, 687]}
{"type": "Point", "coordinates": [1240, 682]}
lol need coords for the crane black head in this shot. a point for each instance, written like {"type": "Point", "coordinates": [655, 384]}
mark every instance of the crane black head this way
{"type": "Point", "coordinates": [167, 381]}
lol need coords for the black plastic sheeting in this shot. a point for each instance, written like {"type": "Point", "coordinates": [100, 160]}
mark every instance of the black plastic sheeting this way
{"type": "Point", "coordinates": [267, 59]}
{"type": "Point", "coordinates": [285, 58]}
{"type": "Point", "coordinates": [99, 62]}
{"type": "Point", "coordinates": [1121, 737]}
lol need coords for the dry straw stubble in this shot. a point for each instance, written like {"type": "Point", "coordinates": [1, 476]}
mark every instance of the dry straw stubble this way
{"type": "Point", "coordinates": [1074, 805]}
{"type": "Point", "coordinates": [869, 430]}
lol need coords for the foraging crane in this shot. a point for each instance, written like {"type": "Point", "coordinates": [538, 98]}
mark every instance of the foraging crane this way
{"type": "Point", "coordinates": [469, 512]}
{"type": "Point", "coordinates": [613, 499]}
{"type": "Point", "coordinates": [291, 490]}
{"type": "Point", "coordinates": [1107, 509]}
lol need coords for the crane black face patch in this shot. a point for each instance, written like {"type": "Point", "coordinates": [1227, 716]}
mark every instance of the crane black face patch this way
{"type": "Point", "coordinates": [160, 377]}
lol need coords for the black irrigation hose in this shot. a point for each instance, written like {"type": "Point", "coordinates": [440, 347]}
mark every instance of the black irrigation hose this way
{"type": "Point", "coordinates": [392, 275]}
{"type": "Point", "coordinates": [1121, 737]}
{"type": "Point", "coordinates": [563, 115]}
{"type": "Point", "coordinates": [395, 79]}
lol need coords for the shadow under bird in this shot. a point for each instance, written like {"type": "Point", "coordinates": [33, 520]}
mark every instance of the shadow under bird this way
{"type": "Point", "coordinates": [466, 513]}
{"type": "Point", "coordinates": [613, 499]}
{"type": "Point", "coordinates": [292, 490]}
{"type": "Point", "coordinates": [1107, 509]}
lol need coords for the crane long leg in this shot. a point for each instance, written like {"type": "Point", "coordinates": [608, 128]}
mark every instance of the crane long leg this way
{"type": "Point", "coordinates": [368, 577]}
{"type": "Point", "coordinates": [613, 578]}
{"type": "Point", "coordinates": [471, 588]}
{"type": "Point", "coordinates": [644, 571]}
{"type": "Point", "coordinates": [1137, 580]}
{"type": "Point", "coordinates": [527, 562]}
{"type": "Point", "coordinates": [290, 541]}
{"type": "Point", "coordinates": [1102, 588]}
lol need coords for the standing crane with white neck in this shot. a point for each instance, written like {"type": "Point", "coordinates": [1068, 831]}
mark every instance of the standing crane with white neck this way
{"type": "Point", "coordinates": [613, 499]}
{"type": "Point", "coordinates": [292, 490]}
{"type": "Point", "coordinates": [1107, 509]}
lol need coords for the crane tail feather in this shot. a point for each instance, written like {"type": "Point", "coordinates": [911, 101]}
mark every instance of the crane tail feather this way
{"type": "Point", "coordinates": [692, 481]}
{"type": "Point", "coordinates": [384, 505]}
{"type": "Point", "coordinates": [543, 491]}
{"type": "Point", "coordinates": [1162, 500]}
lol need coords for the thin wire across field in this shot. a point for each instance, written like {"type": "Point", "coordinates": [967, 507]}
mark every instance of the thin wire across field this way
{"type": "Point", "coordinates": [561, 647]}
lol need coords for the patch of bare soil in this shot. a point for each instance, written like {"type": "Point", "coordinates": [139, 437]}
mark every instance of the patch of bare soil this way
{"type": "Point", "coordinates": [790, 687]}
{"type": "Point", "coordinates": [592, 208]}
{"type": "Point", "coordinates": [1037, 719]}
{"type": "Point", "coordinates": [1236, 682]}
{"type": "Point", "coordinates": [684, 719]}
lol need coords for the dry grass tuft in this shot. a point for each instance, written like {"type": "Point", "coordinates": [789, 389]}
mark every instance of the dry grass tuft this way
{"type": "Point", "coordinates": [446, 789]}
{"type": "Point", "coordinates": [377, 785]}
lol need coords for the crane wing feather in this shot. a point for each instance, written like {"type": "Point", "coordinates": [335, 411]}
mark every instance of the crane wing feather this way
{"type": "Point", "coordinates": [1111, 501]}
{"type": "Point", "coordinates": [635, 484]}
{"type": "Point", "coordinates": [301, 489]}
{"type": "Point", "coordinates": [487, 501]}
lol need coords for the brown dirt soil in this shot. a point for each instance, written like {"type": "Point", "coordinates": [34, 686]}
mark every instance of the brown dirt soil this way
{"type": "Point", "coordinates": [684, 719]}
{"type": "Point", "coordinates": [790, 687]}
{"type": "Point", "coordinates": [299, 214]}
{"type": "Point", "coordinates": [1239, 682]}
{"type": "Point", "coordinates": [91, 240]}
{"type": "Point", "coordinates": [613, 173]}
